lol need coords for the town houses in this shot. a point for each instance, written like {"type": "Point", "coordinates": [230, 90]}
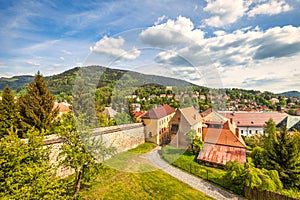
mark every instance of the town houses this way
{"type": "Point", "coordinates": [220, 131]}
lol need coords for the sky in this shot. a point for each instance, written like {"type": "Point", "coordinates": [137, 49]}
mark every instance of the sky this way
{"type": "Point", "coordinates": [250, 44]}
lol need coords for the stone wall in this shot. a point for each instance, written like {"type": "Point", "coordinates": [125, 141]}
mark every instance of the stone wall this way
{"type": "Point", "coordinates": [123, 137]}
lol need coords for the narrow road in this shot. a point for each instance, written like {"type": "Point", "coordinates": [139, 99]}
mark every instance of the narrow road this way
{"type": "Point", "coordinates": [198, 184]}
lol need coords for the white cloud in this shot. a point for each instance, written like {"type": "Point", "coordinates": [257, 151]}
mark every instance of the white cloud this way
{"type": "Point", "coordinates": [160, 19]}
{"type": "Point", "coordinates": [242, 58]}
{"type": "Point", "coordinates": [32, 63]}
{"type": "Point", "coordinates": [62, 58]}
{"type": "Point", "coordinates": [113, 47]}
{"type": "Point", "coordinates": [227, 12]}
{"type": "Point", "coordinates": [271, 7]}
{"type": "Point", "coordinates": [179, 31]}
{"type": "Point", "coordinates": [66, 52]}
{"type": "Point", "coordinates": [57, 65]}
{"type": "Point", "coordinates": [224, 12]}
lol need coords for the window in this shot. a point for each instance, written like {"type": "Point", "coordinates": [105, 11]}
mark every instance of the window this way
{"type": "Point", "coordinates": [242, 131]}
{"type": "Point", "coordinates": [256, 131]}
{"type": "Point", "coordinates": [250, 131]}
{"type": "Point", "coordinates": [150, 134]}
{"type": "Point", "coordinates": [174, 128]}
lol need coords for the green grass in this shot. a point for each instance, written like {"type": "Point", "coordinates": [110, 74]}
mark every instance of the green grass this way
{"type": "Point", "coordinates": [150, 183]}
{"type": "Point", "coordinates": [144, 148]}
{"type": "Point", "coordinates": [185, 160]}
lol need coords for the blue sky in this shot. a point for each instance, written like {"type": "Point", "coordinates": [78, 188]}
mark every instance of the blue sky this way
{"type": "Point", "coordinates": [252, 44]}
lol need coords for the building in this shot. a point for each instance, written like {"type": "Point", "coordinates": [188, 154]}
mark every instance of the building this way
{"type": "Point", "coordinates": [156, 122]}
{"type": "Point", "coordinates": [138, 115]}
{"type": "Point", "coordinates": [62, 107]}
{"type": "Point", "coordinates": [184, 120]}
{"type": "Point", "coordinates": [251, 123]}
{"type": "Point", "coordinates": [222, 145]}
{"type": "Point", "coordinates": [110, 113]}
{"type": "Point", "coordinates": [292, 123]}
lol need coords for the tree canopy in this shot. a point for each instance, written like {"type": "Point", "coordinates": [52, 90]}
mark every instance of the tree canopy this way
{"type": "Point", "coordinates": [9, 113]}
{"type": "Point", "coordinates": [37, 106]}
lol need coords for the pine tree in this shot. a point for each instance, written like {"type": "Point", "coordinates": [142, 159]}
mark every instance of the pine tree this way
{"type": "Point", "coordinates": [9, 115]}
{"type": "Point", "coordinates": [36, 106]}
{"type": "Point", "coordinates": [284, 156]}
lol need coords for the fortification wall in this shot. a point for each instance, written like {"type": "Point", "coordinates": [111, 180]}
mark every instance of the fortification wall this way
{"type": "Point", "coordinates": [123, 137]}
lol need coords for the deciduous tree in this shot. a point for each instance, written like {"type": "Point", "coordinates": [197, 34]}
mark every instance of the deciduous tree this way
{"type": "Point", "coordinates": [25, 172]}
{"type": "Point", "coordinates": [81, 151]}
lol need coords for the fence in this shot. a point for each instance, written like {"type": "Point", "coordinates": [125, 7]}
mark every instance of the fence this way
{"type": "Point", "coordinates": [255, 194]}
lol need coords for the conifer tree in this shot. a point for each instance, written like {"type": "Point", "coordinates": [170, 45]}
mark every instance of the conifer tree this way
{"type": "Point", "coordinates": [9, 115]}
{"type": "Point", "coordinates": [284, 156]}
{"type": "Point", "coordinates": [37, 106]}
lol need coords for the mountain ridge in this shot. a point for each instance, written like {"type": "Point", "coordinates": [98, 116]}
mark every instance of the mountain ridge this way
{"type": "Point", "coordinates": [67, 78]}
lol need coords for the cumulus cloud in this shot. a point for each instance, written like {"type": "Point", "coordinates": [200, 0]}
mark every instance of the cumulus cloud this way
{"type": "Point", "coordinates": [242, 58]}
{"type": "Point", "coordinates": [227, 12]}
{"type": "Point", "coordinates": [179, 31]}
{"type": "Point", "coordinates": [270, 8]}
{"type": "Point", "coordinates": [224, 12]}
{"type": "Point", "coordinates": [240, 47]}
{"type": "Point", "coordinates": [113, 47]}
{"type": "Point", "coordinates": [62, 58]}
{"type": "Point", "coordinates": [160, 19]}
{"type": "Point", "coordinates": [32, 63]}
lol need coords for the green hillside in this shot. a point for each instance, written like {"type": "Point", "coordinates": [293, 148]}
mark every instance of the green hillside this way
{"type": "Point", "coordinates": [291, 94]}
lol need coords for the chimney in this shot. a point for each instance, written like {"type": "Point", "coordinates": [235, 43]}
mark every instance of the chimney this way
{"type": "Point", "coordinates": [237, 132]}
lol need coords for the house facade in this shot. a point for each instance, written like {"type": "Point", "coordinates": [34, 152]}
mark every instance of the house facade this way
{"type": "Point", "coordinates": [182, 122]}
{"type": "Point", "coordinates": [251, 123]}
{"type": "Point", "coordinates": [156, 122]}
{"type": "Point", "coordinates": [222, 145]}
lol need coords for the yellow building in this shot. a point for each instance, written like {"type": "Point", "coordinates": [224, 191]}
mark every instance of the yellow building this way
{"type": "Point", "coordinates": [156, 122]}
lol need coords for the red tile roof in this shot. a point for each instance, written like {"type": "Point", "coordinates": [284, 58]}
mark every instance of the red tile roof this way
{"type": "Point", "coordinates": [255, 118]}
{"type": "Point", "coordinates": [139, 113]}
{"type": "Point", "coordinates": [206, 112]}
{"type": "Point", "coordinates": [210, 115]}
{"type": "Point", "coordinates": [61, 107]}
{"type": "Point", "coordinates": [222, 137]}
{"type": "Point", "coordinates": [159, 112]}
{"type": "Point", "coordinates": [221, 154]}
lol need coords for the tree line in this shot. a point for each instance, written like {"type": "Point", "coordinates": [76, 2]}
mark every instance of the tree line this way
{"type": "Point", "coordinates": [273, 164]}
{"type": "Point", "coordinates": [25, 168]}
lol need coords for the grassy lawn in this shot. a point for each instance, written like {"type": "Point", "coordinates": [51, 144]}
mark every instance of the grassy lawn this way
{"type": "Point", "coordinates": [185, 160]}
{"type": "Point", "coordinates": [129, 176]}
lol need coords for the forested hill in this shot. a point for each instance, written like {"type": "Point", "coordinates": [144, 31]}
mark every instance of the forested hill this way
{"type": "Point", "coordinates": [291, 94]}
{"type": "Point", "coordinates": [63, 83]}
{"type": "Point", "coordinates": [15, 82]}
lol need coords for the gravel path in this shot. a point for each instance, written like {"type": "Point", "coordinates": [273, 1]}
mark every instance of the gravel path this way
{"type": "Point", "coordinates": [191, 180]}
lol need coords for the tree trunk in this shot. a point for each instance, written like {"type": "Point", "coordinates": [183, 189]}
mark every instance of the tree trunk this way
{"type": "Point", "coordinates": [78, 182]}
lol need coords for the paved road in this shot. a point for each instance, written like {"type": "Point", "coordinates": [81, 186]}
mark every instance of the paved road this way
{"type": "Point", "coordinates": [191, 180]}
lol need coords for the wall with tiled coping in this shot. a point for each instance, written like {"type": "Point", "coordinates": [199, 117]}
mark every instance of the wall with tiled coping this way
{"type": "Point", "coordinates": [123, 137]}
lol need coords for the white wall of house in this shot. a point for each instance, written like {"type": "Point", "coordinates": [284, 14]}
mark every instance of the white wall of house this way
{"type": "Point", "coordinates": [250, 130]}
